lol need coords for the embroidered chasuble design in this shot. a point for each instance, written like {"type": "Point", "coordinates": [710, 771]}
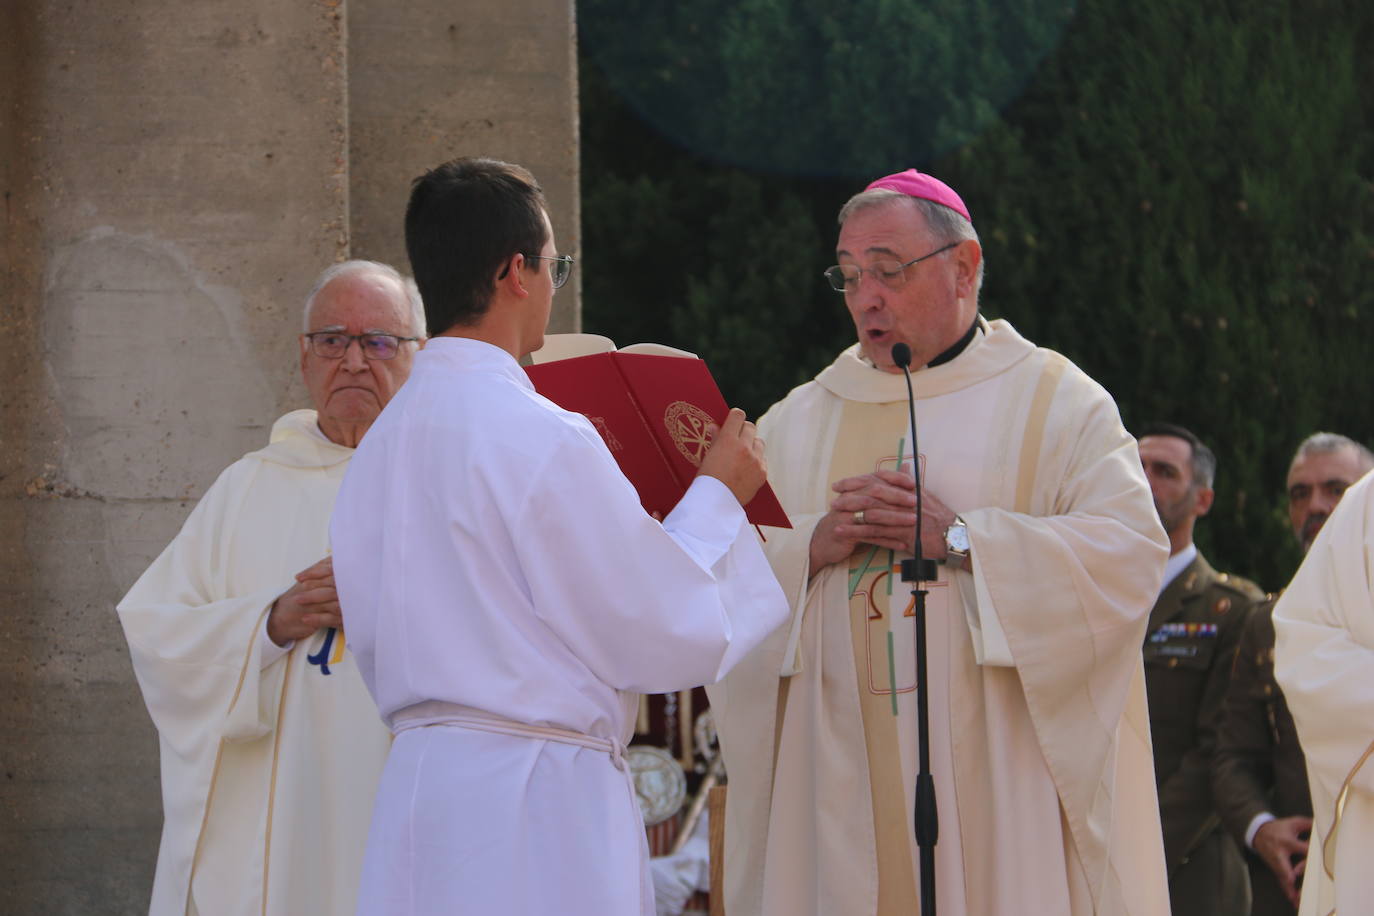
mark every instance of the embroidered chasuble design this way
{"type": "Point", "coordinates": [330, 652]}
{"type": "Point", "coordinates": [882, 615]}
{"type": "Point", "coordinates": [1039, 742]}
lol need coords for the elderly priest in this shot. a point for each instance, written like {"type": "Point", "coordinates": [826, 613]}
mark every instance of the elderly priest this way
{"type": "Point", "coordinates": [271, 747]}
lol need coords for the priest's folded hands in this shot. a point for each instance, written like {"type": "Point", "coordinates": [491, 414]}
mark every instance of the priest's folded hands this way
{"type": "Point", "coordinates": [878, 508]}
{"type": "Point", "coordinates": [309, 605]}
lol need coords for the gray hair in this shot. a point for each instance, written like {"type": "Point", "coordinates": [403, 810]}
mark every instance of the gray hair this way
{"type": "Point", "coordinates": [334, 271]}
{"type": "Point", "coordinates": [1326, 443]}
{"type": "Point", "coordinates": [945, 224]}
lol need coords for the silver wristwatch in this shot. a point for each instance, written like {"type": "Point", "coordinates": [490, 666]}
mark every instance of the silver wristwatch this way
{"type": "Point", "coordinates": [956, 543]}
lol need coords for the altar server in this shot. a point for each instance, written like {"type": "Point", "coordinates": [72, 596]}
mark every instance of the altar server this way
{"type": "Point", "coordinates": [507, 596]}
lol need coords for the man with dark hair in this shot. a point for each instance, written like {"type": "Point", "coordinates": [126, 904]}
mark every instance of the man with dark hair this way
{"type": "Point", "coordinates": [485, 211]}
{"type": "Point", "coordinates": [1259, 773]}
{"type": "Point", "coordinates": [1190, 644]}
{"type": "Point", "coordinates": [506, 595]}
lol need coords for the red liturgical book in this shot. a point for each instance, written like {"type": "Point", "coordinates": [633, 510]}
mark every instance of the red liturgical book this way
{"type": "Point", "coordinates": [652, 411]}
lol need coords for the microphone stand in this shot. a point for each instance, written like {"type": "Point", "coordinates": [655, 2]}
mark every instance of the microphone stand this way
{"type": "Point", "coordinates": [918, 570]}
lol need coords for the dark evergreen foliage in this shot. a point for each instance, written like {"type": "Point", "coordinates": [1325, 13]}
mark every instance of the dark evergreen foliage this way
{"type": "Point", "coordinates": [1177, 196]}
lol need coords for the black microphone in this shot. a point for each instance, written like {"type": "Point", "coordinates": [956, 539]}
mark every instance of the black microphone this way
{"type": "Point", "coordinates": [918, 570]}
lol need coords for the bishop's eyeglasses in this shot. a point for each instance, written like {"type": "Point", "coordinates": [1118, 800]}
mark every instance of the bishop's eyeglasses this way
{"type": "Point", "coordinates": [334, 344]}
{"type": "Point", "coordinates": [845, 278]}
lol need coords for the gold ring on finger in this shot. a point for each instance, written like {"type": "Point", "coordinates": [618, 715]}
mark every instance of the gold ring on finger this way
{"type": "Point", "coordinates": [859, 518]}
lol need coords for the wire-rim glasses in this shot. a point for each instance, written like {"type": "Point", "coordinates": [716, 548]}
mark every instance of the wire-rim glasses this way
{"type": "Point", "coordinates": [892, 274]}
{"type": "Point", "coordinates": [559, 270]}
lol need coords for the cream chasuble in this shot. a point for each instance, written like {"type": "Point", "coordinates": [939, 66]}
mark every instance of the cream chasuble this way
{"type": "Point", "coordinates": [268, 769]}
{"type": "Point", "coordinates": [1324, 661]}
{"type": "Point", "coordinates": [1039, 734]}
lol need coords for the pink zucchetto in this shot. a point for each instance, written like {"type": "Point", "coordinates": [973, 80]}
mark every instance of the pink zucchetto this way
{"type": "Point", "coordinates": [913, 184]}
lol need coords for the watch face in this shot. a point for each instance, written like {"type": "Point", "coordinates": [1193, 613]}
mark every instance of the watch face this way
{"type": "Point", "coordinates": [956, 538]}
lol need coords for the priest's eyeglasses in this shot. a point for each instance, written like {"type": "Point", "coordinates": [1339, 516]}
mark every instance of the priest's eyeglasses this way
{"type": "Point", "coordinates": [560, 269]}
{"type": "Point", "coordinates": [333, 344]}
{"type": "Point", "coordinates": [845, 278]}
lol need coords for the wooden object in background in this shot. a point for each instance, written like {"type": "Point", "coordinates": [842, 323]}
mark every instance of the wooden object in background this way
{"type": "Point", "coordinates": [716, 804]}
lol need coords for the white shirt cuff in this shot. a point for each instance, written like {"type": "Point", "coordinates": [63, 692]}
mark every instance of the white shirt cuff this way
{"type": "Point", "coordinates": [1256, 822]}
{"type": "Point", "coordinates": [996, 652]}
{"type": "Point", "coordinates": [270, 651]}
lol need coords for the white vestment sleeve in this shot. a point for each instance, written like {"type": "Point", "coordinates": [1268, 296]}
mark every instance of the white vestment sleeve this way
{"type": "Point", "coordinates": [268, 651]}
{"type": "Point", "coordinates": [1324, 642]}
{"type": "Point", "coordinates": [638, 605]}
{"type": "Point", "coordinates": [1071, 581]}
{"type": "Point", "coordinates": [1087, 563]}
{"type": "Point", "coordinates": [706, 521]}
{"type": "Point", "coordinates": [194, 647]}
{"type": "Point", "coordinates": [1324, 662]}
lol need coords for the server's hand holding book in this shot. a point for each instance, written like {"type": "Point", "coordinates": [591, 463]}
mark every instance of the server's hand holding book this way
{"type": "Point", "coordinates": [653, 406]}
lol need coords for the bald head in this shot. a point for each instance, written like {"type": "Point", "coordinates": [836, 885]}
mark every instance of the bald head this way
{"type": "Point", "coordinates": [363, 325]}
{"type": "Point", "coordinates": [415, 309]}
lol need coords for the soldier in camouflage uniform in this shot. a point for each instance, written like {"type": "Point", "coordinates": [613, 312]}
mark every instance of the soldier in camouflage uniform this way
{"type": "Point", "coordinates": [1189, 646]}
{"type": "Point", "coordinates": [1259, 775]}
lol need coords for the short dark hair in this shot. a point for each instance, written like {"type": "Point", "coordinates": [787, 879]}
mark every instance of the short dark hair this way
{"type": "Point", "coordinates": [1204, 463]}
{"type": "Point", "coordinates": [464, 219]}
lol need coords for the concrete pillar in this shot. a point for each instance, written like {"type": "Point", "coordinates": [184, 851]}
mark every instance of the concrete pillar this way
{"type": "Point", "coordinates": [430, 80]}
{"type": "Point", "coordinates": [174, 173]}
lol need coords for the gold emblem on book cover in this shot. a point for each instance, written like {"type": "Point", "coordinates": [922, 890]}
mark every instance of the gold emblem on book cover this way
{"type": "Point", "coordinates": [686, 424]}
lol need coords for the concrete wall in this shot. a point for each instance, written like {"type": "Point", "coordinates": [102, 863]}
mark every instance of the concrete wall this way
{"type": "Point", "coordinates": [174, 173]}
{"type": "Point", "coordinates": [432, 79]}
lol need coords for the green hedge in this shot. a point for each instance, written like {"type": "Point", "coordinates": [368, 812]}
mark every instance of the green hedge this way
{"type": "Point", "coordinates": [1175, 195]}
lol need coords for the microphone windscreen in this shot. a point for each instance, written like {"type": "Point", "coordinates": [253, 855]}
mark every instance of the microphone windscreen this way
{"type": "Point", "coordinates": [901, 355]}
